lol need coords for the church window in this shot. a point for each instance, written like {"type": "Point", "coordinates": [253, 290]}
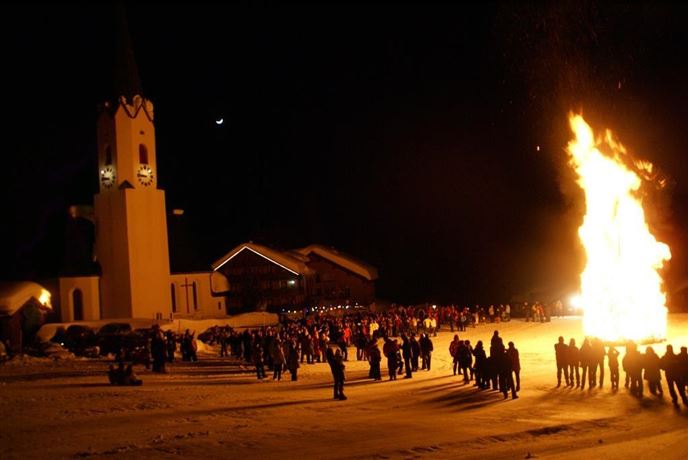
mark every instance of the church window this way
{"type": "Point", "coordinates": [143, 154]}
{"type": "Point", "coordinates": [174, 298]}
{"type": "Point", "coordinates": [108, 155]}
{"type": "Point", "coordinates": [195, 297]}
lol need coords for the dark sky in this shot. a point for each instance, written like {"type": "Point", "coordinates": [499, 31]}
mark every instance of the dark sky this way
{"type": "Point", "coordinates": [404, 134]}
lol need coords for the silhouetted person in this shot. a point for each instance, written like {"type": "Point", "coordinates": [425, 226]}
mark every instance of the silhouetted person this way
{"type": "Point", "coordinates": [426, 351]}
{"type": "Point", "coordinates": [466, 360]}
{"type": "Point", "coordinates": [374, 359]}
{"type": "Point", "coordinates": [561, 353]}
{"type": "Point", "coordinates": [574, 363]}
{"type": "Point", "coordinates": [586, 359]}
{"type": "Point", "coordinates": [406, 353]}
{"type": "Point", "coordinates": [613, 355]}
{"type": "Point", "coordinates": [506, 376]}
{"type": "Point", "coordinates": [454, 346]}
{"type": "Point", "coordinates": [512, 353]}
{"type": "Point", "coordinates": [390, 349]}
{"type": "Point", "coordinates": [669, 362]}
{"type": "Point", "coordinates": [293, 359]}
{"type": "Point", "coordinates": [480, 365]}
{"type": "Point", "coordinates": [632, 362]}
{"type": "Point", "coordinates": [651, 363]}
{"type": "Point", "coordinates": [415, 352]}
{"type": "Point", "coordinates": [598, 354]}
{"type": "Point", "coordinates": [682, 368]}
{"type": "Point", "coordinates": [257, 352]}
{"type": "Point", "coordinates": [336, 362]}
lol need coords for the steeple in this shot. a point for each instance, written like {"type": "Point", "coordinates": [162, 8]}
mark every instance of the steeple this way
{"type": "Point", "coordinates": [127, 81]}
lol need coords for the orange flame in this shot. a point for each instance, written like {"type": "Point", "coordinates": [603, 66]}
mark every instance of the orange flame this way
{"type": "Point", "coordinates": [621, 288]}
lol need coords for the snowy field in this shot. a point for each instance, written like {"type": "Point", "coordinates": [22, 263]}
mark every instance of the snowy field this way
{"type": "Point", "coordinates": [216, 409]}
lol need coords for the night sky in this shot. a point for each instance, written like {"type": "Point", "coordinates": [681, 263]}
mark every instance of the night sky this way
{"type": "Point", "coordinates": [406, 135]}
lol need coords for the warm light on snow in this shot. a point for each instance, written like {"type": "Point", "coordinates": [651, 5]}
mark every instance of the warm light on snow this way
{"type": "Point", "coordinates": [621, 289]}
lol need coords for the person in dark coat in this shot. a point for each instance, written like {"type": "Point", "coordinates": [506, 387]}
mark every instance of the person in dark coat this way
{"type": "Point", "coordinates": [598, 355]}
{"type": "Point", "coordinates": [336, 362]}
{"type": "Point", "coordinates": [505, 372]}
{"type": "Point", "coordinates": [574, 363]}
{"type": "Point", "coordinates": [515, 360]}
{"type": "Point", "coordinates": [257, 352]}
{"type": "Point", "coordinates": [426, 351]}
{"type": "Point", "coordinates": [158, 350]}
{"type": "Point", "coordinates": [585, 354]}
{"type": "Point", "coordinates": [171, 344]}
{"type": "Point", "coordinates": [415, 352]}
{"type": "Point", "coordinates": [374, 359]}
{"type": "Point", "coordinates": [561, 353]}
{"type": "Point", "coordinates": [613, 361]}
{"type": "Point", "coordinates": [406, 353]}
{"type": "Point", "coordinates": [633, 364]}
{"type": "Point", "coordinates": [293, 359]}
{"type": "Point", "coordinates": [454, 346]}
{"type": "Point", "coordinates": [652, 365]}
{"type": "Point", "coordinates": [480, 365]}
{"type": "Point", "coordinates": [279, 360]}
{"type": "Point", "coordinates": [465, 360]}
{"type": "Point", "coordinates": [390, 349]}
{"type": "Point", "coordinates": [670, 363]}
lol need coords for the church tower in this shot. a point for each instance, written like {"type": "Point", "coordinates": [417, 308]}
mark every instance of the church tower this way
{"type": "Point", "coordinates": [131, 223]}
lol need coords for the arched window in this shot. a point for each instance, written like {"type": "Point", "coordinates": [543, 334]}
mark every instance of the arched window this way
{"type": "Point", "coordinates": [174, 298]}
{"type": "Point", "coordinates": [108, 155]}
{"type": "Point", "coordinates": [78, 305]}
{"type": "Point", "coordinates": [143, 154]}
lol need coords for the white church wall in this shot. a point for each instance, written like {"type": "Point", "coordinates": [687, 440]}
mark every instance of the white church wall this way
{"type": "Point", "coordinates": [192, 296]}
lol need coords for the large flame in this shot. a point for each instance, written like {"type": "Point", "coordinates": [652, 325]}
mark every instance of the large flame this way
{"type": "Point", "coordinates": [621, 288]}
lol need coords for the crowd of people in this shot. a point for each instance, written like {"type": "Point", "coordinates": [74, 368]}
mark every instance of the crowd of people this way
{"type": "Point", "coordinates": [585, 364]}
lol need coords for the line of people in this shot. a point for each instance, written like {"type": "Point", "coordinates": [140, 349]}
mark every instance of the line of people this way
{"type": "Point", "coordinates": [581, 365]}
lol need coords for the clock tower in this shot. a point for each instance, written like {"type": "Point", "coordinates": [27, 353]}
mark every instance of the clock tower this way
{"type": "Point", "coordinates": [131, 223]}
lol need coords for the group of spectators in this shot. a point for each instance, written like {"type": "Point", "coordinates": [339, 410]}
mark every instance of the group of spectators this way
{"type": "Point", "coordinates": [579, 365]}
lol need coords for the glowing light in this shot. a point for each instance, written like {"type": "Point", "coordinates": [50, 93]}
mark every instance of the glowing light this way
{"type": "Point", "coordinates": [621, 289]}
{"type": "Point", "coordinates": [220, 121]}
{"type": "Point", "coordinates": [44, 298]}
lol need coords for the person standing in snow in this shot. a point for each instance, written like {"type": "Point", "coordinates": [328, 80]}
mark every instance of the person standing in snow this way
{"type": "Point", "coordinates": [574, 363]}
{"type": "Point", "coordinates": [390, 349]}
{"type": "Point", "coordinates": [374, 359]}
{"type": "Point", "coordinates": [454, 353]}
{"type": "Point", "coordinates": [561, 354]}
{"type": "Point", "coordinates": [515, 360]}
{"type": "Point", "coordinates": [426, 351]}
{"type": "Point", "coordinates": [278, 359]}
{"type": "Point", "coordinates": [293, 359]}
{"type": "Point", "coordinates": [613, 361]}
{"type": "Point", "coordinates": [336, 362]}
{"type": "Point", "coordinates": [670, 364]}
{"type": "Point", "coordinates": [257, 352]}
{"type": "Point", "coordinates": [406, 353]}
{"type": "Point", "coordinates": [480, 365]}
{"type": "Point", "coordinates": [652, 372]}
{"type": "Point", "coordinates": [158, 350]}
{"type": "Point", "coordinates": [466, 360]}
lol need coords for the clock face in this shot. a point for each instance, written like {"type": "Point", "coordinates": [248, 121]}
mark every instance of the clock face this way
{"type": "Point", "coordinates": [145, 175]}
{"type": "Point", "coordinates": [107, 176]}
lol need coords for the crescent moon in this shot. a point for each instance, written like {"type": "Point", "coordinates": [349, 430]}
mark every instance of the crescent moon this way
{"type": "Point", "coordinates": [220, 121]}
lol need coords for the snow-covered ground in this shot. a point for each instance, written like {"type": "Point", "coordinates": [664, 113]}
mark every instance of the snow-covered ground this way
{"type": "Point", "coordinates": [215, 409]}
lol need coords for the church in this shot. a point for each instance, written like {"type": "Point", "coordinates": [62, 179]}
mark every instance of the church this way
{"type": "Point", "coordinates": [131, 248]}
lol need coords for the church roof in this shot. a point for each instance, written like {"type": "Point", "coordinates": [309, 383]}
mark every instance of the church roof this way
{"type": "Point", "coordinates": [14, 295]}
{"type": "Point", "coordinates": [344, 260]}
{"type": "Point", "coordinates": [294, 263]}
{"type": "Point", "coordinates": [127, 81]}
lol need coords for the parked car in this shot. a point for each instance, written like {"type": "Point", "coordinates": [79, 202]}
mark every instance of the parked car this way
{"type": "Point", "coordinates": [78, 339]}
{"type": "Point", "coordinates": [112, 337]}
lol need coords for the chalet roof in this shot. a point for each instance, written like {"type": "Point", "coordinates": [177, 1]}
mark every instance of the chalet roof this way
{"type": "Point", "coordinates": [294, 263]}
{"type": "Point", "coordinates": [14, 295]}
{"type": "Point", "coordinates": [344, 260]}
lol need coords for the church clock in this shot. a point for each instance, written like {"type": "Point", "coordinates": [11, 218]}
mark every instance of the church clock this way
{"type": "Point", "coordinates": [107, 176]}
{"type": "Point", "coordinates": [145, 175]}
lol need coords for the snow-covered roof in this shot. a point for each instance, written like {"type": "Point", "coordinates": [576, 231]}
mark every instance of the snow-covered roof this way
{"type": "Point", "coordinates": [294, 263]}
{"type": "Point", "coordinates": [344, 260]}
{"type": "Point", "coordinates": [14, 295]}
